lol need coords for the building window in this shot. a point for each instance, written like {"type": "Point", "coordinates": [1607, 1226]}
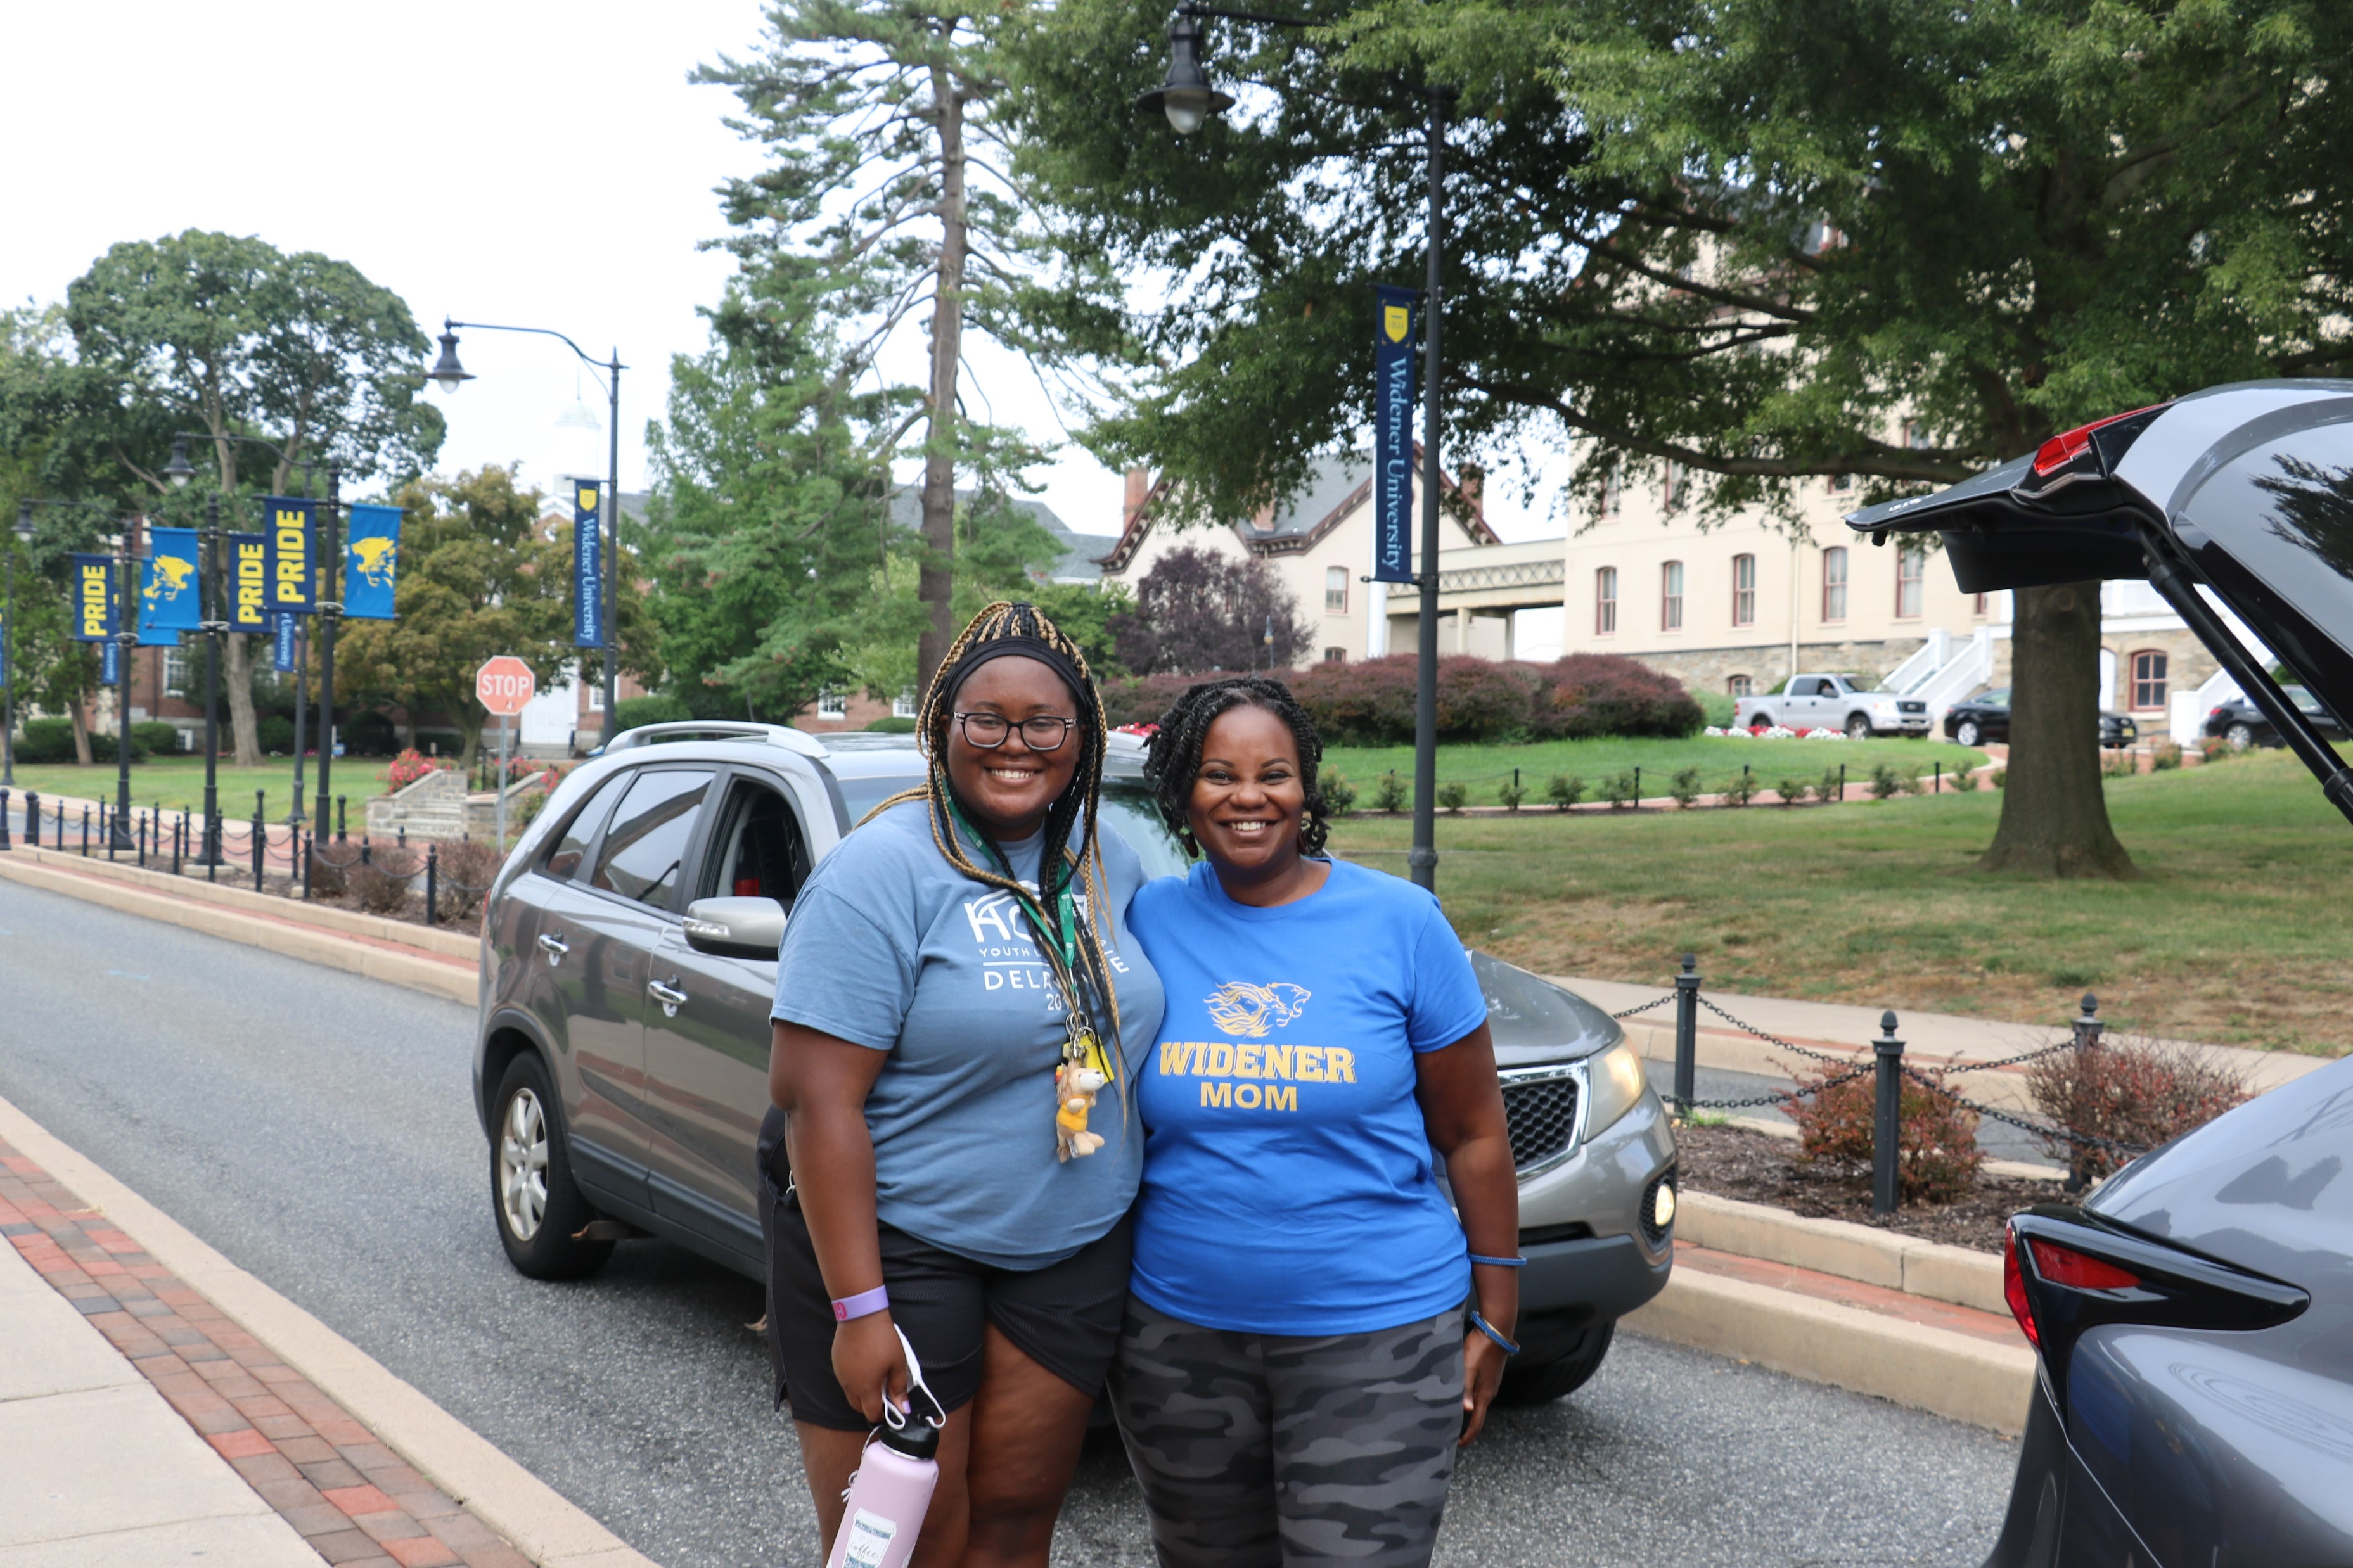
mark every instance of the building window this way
{"type": "Point", "coordinates": [1605, 601]}
{"type": "Point", "coordinates": [1670, 596]}
{"type": "Point", "coordinates": [1834, 582]}
{"type": "Point", "coordinates": [595, 696]}
{"type": "Point", "coordinates": [1335, 655]}
{"type": "Point", "coordinates": [1613, 494]}
{"type": "Point", "coordinates": [1739, 685]}
{"type": "Point", "coordinates": [833, 702]}
{"type": "Point", "coordinates": [1743, 591]}
{"type": "Point", "coordinates": [904, 705]}
{"type": "Point", "coordinates": [1842, 483]}
{"type": "Point", "coordinates": [1915, 434]}
{"type": "Point", "coordinates": [2148, 680]}
{"type": "Point", "coordinates": [175, 671]}
{"type": "Point", "coordinates": [1671, 492]}
{"type": "Point", "coordinates": [1336, 590]}
{"type": "Point", "coordinates": [1911, 571]}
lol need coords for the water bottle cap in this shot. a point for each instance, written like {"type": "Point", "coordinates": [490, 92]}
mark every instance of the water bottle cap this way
{"type": "Point", "coordinates": [917, 1440]}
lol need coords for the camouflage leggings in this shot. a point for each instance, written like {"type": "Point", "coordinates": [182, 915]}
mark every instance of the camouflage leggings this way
{"type": "Point", "coordinates": [1256, 1451]}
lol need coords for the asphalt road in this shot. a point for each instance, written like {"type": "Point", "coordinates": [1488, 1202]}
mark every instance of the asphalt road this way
{"type": "Point", "coordinates": [314, 1127]}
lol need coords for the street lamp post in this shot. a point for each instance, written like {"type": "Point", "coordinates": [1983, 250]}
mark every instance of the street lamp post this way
{"type": "Point", "coordinates": [450, 376]}
{"type": "Point", "coordinates": [8, 653]}
{"type": "Point", "coordinates": [126, 636]}
{"type": "Point", "coordinates": [1188, 99]}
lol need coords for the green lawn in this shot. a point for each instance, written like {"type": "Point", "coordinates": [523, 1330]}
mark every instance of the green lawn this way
{"type": "Point", "coordinates": [1483, 769]}
{"type": "Point", "coordinates": [178, 783]}
{"type": "Point", "coordinates": [2233, 932]}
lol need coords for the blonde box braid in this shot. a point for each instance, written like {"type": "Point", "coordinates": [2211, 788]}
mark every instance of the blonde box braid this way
{"type": "Point", "coordinates": [1076, 806]}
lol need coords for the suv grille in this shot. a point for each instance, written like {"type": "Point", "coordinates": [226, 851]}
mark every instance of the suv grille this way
{"type": "Point", "coordinates": [1651, 1229]}
{"type": "Point", "coordinates": [1911, 707]}
{"type": "Point", "coordinates": [1543, 1116]}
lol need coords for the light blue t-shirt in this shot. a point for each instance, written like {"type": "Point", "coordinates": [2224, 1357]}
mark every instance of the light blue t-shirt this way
{"type": "Point", "coordinates": [890, 947]}
{"type": "Point", "coordinates": [1288, 1180]}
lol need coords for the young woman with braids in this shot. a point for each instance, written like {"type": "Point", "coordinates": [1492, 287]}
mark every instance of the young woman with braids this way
{"type": "Point", "coordinates": [945, 970]}
{"type": "Point", "coordinates": [1297, 1365]}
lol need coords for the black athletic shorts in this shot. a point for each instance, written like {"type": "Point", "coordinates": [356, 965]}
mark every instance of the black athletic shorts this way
{"type": "Point", "coordinates": [1065, 1317]}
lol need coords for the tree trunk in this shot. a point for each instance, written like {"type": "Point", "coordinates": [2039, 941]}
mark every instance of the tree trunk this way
{"type": "Point", "coordinates": [936, 584]}
{"type": "Point", "coordinates": [77, 709]}
{"type": "Point", "coordinates": [2054, 815]}
{"type": "Point", "coordinates": [237, 687]}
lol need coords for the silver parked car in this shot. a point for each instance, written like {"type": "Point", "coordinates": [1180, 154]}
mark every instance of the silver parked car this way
{"type": "Point", "coordinates": [628, 962]}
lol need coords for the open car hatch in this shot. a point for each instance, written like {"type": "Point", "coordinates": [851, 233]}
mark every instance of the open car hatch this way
{"type": "Point", "coordinates": [2245, 491]}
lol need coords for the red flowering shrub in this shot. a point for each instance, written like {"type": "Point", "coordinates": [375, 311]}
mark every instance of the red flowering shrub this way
{"type": "Point", "coordinates": [1142, 699]}
{"type": "Point", "coordinates": [1607, 694]}
{"type": "Point", "coordinates": [1370, 702]}
{"type": "Point", "coordinates": [2141, 1092]}
{"type": "Point", "coordinates": [411, 765]}
{"type": "Point", "coordinates": [1936, 1153]}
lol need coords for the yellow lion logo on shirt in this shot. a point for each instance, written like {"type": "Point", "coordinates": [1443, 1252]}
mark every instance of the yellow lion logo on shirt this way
{"type": "Point", "coordinates": [1241, 1008]}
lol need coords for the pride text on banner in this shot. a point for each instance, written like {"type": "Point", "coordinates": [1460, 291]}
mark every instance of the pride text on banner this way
{"type": "Point", "coordinates": [293, 547]}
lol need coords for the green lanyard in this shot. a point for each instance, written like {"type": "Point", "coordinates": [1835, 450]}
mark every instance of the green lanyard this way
{"type": "Point", "coordinates": [1063, 930]}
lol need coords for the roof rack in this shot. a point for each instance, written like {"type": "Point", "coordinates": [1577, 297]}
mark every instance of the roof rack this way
{"type": "Point", "coordinates": [782, 735]}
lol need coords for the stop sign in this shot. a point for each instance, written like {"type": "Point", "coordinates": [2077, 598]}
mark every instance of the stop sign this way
{"type": "Point", "coordinates": [504, 684]}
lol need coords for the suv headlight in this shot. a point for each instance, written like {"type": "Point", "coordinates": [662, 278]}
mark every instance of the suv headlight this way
{"type": "Point", "coordinates": [1615, 1080]}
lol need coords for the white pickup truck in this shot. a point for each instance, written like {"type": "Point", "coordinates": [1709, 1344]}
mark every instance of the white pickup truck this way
{"type": "Point", "coordinates": [1834, 702]}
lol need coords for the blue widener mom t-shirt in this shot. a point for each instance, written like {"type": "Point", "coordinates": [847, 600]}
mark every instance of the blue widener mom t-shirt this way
{"type": "Point", "coordinates": [1288, 1182]}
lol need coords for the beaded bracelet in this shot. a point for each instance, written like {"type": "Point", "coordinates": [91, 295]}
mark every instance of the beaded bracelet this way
{"type": "Point", "coordinates": [1488, 1328]}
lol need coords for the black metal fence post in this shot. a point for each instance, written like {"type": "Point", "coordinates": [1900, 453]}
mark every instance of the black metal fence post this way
{"type": "Point", "coordinates": [339, 817]}
{"type": "Point", "coordinates": [5, 844]}
{"type": "Point", "coordinates": [260, 840]}
{"type": "Point", "coordinates": [1939, 787]}
{"type": "Point", "coordinates": [1841, 784]}
{"type": "Point", "coordinates": [432, 877]}
{"type": "Point", "coordinates": [1638, 789]}
{"type": "Point", "coordinates": [1886, 1129]}
{"type": "Point", "coordinates": [2087, 1028]}
{"type": "Point", "coordinates": [33, 818]}
{"type": "Point", "coordinates": [1686, 1035]}
{"type": "Point", "coordinates": [302, 860]}
{"type": "Point", "coordinates": [85, 830]}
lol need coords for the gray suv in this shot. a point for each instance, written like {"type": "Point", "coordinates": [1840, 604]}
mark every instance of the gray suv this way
{"type": "Point", "coordinates": [629, 961]}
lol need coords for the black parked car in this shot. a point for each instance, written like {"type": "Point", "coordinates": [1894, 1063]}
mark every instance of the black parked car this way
{"type": "Point", "coordinates": [1986, 717]}
{"type": "Point", "coordinates": [2194, 1320]}
{"type": "Point", "coordinates": [2243, 723]}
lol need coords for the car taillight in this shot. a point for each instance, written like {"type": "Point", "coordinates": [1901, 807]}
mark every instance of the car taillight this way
{"type": "Point", "coordinates": [2066, 448]}
{"type": "Point", "coordinates": [2065, 1266]}
{"type": "Point", "coordinates": [2013, 1289]}
{"type": "Point", "coordinates": [2217, 713]}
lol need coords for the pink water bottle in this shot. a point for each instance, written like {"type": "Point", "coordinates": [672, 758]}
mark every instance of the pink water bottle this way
{"type": "Point", "coordinates": [884, 1507]}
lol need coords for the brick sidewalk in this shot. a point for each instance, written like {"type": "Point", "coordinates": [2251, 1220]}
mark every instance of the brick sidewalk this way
{"type": "Point", "coordinates": [348, 1496]}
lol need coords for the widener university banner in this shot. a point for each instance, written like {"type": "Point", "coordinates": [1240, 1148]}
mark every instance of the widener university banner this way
{"type": "Point", "coordinates": [587, 565]}
{"type": "Point", "coordinates": [371, 562]}
{"type": "Point", "coordinates": [96, 613]}
{"type": "Point", "coordinates": [1393, 346]}
{"type": "Point", "coordinates": [293, 552]}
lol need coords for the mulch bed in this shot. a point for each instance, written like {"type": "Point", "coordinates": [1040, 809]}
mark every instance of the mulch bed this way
{"type": "Point", "coordinates": [1734, 1163]}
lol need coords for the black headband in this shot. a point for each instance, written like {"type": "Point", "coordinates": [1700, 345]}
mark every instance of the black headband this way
{"type": "Point", "coordinates": [1020, 647]}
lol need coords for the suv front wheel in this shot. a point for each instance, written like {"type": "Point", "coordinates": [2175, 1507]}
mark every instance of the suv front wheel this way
{"type": "Point", "coordinates": [1550, 1380]}
{"type": "Point", "coordinates": [539, 1210]}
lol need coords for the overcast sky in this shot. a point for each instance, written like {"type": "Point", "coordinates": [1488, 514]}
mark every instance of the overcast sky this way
{"type": "Point", "coordinates": [509, 160]}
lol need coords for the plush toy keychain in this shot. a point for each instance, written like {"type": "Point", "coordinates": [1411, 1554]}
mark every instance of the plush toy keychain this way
{"type": "Point", "coordinates": [1076, 1081]}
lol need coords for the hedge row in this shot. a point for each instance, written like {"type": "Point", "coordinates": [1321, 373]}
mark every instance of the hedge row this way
{"type": "Point", "coordinates": [1370, 702]}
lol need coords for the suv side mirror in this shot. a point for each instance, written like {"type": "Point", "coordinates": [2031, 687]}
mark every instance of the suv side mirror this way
{"type": "Point", "coordinates": [735, 928]}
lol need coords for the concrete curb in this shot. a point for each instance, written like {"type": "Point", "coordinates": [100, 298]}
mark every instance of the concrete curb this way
{"type": "Point", "coordinates": [1859, 1252]}
{"type": "Point", "coordinates": [228, 895]}
{"type": "Point", "coordinates": [542, 1524]}
{"type": "Point", "coordinates": [447, 978]}
{"type": "Point", "coordinates": [1931, 1369]}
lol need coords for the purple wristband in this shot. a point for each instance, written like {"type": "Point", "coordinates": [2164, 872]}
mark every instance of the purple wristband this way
{"type": "Point", "coordinates": [861, 1305]}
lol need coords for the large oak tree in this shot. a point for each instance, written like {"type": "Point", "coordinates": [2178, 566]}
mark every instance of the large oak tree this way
{"type": "Point", "coordinates": [1772, 241]}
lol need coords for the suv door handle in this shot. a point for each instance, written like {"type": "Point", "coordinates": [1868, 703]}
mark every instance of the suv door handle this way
{"type": "Point", "coordinates": [671, 998]}
{"type": "Point", "coordinates": [554, 946]}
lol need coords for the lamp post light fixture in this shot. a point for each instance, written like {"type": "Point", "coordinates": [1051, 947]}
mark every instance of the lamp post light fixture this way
{"type": "Point", "coordinates": [1188, 98]}
{"type": "Point", "coordinates": [450, 376]}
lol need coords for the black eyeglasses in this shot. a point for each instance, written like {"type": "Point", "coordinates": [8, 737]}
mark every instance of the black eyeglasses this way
{"type": "Point", "coordinates": [1044, 733]}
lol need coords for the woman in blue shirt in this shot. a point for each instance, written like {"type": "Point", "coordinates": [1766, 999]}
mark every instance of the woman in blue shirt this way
{"type": "Point", "coordinates": [948, 974]}
{"type": "Point", "coordinates": [1297, 1367]}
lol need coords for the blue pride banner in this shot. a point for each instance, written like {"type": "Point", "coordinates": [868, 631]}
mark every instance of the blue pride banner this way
{"type": "Point", "coordinates": [111, 674]}
{"type": "Point", "coordinates": [93, 598]}
{"type": "Point", "coordinates": [171, 598]}
{"type": "Point", "coordinates": [293, 549]}
{"type": "Point", "coordinates": [587, 565]}
{"type": "Point", "coordinates": [1393, 343]}
{"type": "Point", "coordinates": [248, 581]}
{"type": "Point", "coordinates": [282, 638]}
{"type": "Point", "coordinates": [371, 562]}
